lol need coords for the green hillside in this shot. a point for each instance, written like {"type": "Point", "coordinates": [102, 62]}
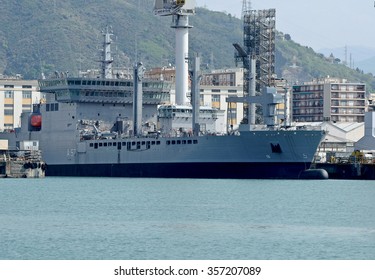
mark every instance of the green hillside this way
{"type": "Point", "coordinates": [303, 64]}
{"type": "Point", "coordinates": [47, 35]}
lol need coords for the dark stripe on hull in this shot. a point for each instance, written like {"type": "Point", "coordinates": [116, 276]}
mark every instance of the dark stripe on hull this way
{"type": "Point", "coordinates": [184, 170]}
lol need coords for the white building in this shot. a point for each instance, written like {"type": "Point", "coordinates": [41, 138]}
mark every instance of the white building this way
{"type": "Point", "coordinates": [16, 96]}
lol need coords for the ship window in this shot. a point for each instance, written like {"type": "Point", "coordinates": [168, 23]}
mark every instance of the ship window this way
{"type": "Point", "coordinates": [178, 142]}
{"type": "Point", "coordinates": [91, 145]}
{"type": "Point", "coordinates": [124, 143]}
{"type": "Point", "coordinates": [105, 144]}
{"type": "Point", "coordinates": [184, 142]}
{"type": "Point", "coordinates": [195, 141]}
{"type": "Point", "coordinates": [96, 145]}
{"type": "Point", "coordinates": [148, 145]}
{"type": "Point", "coordinates": [168, 142]}
{"type": "Point", "coordinates": [47, 107]}
{"type": "Point", "coordinates": [189, 141]}
{"type": "Point", "coordinates": [109, 144]}
{"type": "Point", "coordinates": [138, 145]}
{"type": "Point", "coordinates": [157, 142]}
{"type": "Point", "coordinates": [100, 144]}
{"type": "Point", "coordinates": [133, 143]}
{"type": "Point", "coordinates": [152, 142]}
{"type": "Point", "coordinates": [173, 142]}
{"type": "Point", "coordinates": [114, 144]}
{"type": "Point", "coordinates": [143, 143]}
{"type": "Point", "coordinates": [128, 145]}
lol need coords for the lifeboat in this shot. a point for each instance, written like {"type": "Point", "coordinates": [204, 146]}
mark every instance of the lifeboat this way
{"type": "Point", "coordinates": [35, 122]}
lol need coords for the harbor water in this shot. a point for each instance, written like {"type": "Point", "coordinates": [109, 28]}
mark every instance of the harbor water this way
{"type": "Point", "coordinates": [60, 218]}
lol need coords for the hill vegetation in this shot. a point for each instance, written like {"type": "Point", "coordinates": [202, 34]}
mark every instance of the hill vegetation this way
{"type": "Point", "coordinates": [47, 35]}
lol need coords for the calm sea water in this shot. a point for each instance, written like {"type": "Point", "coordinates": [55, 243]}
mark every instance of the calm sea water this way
{"type": "Point", "coordinates": [105, 218]}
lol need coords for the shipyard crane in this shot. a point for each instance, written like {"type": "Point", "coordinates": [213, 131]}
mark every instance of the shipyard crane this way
{"type": "Point", "coordinates": [180, 10]}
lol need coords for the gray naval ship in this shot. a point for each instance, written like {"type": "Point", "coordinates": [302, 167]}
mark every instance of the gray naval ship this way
{"type": "Point", "coordinates": [116, 126]}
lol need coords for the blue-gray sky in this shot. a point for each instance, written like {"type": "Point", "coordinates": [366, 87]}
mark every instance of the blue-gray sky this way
{"type": "Point", "coordinates": [319, 24]}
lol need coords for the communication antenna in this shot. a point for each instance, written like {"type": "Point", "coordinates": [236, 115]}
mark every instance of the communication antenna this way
{"type": "Point", "coordinates": [180, 10]}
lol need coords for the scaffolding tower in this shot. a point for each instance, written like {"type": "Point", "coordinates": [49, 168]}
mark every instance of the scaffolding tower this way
{"type": "Point", "coordinates": [259, 44]}
{"type": "Point", "coordinates": [259, 41]}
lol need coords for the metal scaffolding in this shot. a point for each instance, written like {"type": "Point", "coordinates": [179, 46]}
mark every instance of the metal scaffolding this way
{"type": "Point", "coordinates": [259, 41]}
{"type": "Point", "coordinates": [259, 46]}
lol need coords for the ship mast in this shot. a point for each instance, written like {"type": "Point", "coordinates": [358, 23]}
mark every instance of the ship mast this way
{"type": "Point", "coordinates": [180, 11]}
{"type": "Point", "coordinates": [107, 60]}
{"type": "Point", "coordinates": [138, 76]}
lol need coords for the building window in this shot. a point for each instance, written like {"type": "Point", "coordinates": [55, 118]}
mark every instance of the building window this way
{"type": "Point", "coordinates": [26, 94]}
{"type": "Point", "coordinates": [26, 108]}
{"type": "Point", "coordinates": [201, 99]}
{"type": "Point", "coordinates": [232, 114]}
{"type": "Point", "coordinates": [8, 112]}
{"type": "Point", "coordinates": [215, 98]}
{"type": "Point", "coordinates": [9, 94]}
{"type": "Point", "coordinates": [26, 86]}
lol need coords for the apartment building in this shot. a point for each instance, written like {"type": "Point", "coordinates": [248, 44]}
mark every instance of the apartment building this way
{"type": "Point", "coordinates": [329, 99]}
{"type": "Point", "coordinates": [16, 96]}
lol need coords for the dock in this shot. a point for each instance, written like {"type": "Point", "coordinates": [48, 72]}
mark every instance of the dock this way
{"type": "Point", "coordinates": [21, 163]}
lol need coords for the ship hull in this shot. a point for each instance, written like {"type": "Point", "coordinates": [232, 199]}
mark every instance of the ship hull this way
{"type": "Point", "coordinates": [222, 170]}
